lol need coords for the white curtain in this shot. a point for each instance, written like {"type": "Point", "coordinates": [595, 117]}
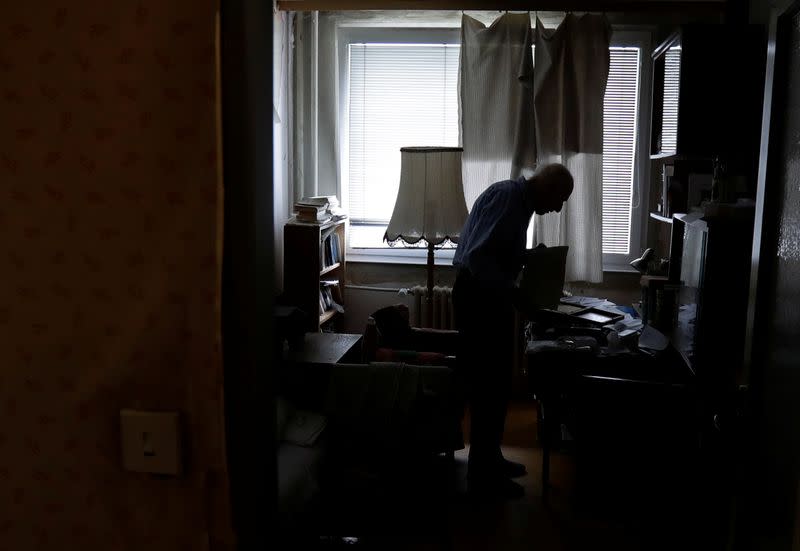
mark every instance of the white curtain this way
{"type": "Point", "coordinates": [570, 79]}
{"type": "Point", "coordinates": [495, 101]}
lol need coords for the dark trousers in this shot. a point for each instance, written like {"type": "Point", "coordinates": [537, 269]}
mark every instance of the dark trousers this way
{"type": "Point", "coordinates": [484, 317]}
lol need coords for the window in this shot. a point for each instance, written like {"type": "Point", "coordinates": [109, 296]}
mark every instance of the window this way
{"type": "Point", "coordinates": [400, 88]}
{"type": "Point", "coordinates": [672, 85]}
{"type": "Point", "coordinates": [620, 110]}
{"type": "Point", "coordinates": [400, 95]}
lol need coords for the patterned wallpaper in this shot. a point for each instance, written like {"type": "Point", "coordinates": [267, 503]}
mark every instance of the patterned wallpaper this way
{"type": "Point", "coordinates": [109, 251]}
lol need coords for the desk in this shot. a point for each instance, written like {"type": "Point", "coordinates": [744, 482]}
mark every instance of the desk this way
{"type": "Point", "coordinates": [325, 349]}
{"type": "Point", "coordinates": [305, 372]}
{"type": "Point", "coordinates": [582, 380]}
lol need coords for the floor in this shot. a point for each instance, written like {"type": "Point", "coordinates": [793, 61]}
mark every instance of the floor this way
{"type": "Point", "coordinates": [431, 510]}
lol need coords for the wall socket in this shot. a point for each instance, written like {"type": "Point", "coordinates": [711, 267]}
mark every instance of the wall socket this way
{"type": "Point", "coordinates": [151, 441]}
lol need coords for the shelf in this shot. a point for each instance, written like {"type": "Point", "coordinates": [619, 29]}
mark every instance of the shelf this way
{"type": "Point", "coordinates": [330, 268]}
{"type": "Point", "coordinates": [305, 269]}
{"type": "Point", "coordinates": [326, 316]}
{"type": "Point", "coordinates": [673, 157]}
{"type": "Point", "coordinates": [663, 156]}
{"type": "Point", "coordinates": [660, 218]}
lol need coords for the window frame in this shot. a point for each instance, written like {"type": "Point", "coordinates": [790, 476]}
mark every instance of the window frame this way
{"type": "Point", "coordinates": [452, 35]}
{"type": "Point", "coordinates": [356, 35]}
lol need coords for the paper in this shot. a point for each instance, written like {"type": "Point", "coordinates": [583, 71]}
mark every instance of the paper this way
{"type": "Point", "coordinates": [653, 339]}
{"type": "Point", "coordinates": [588, 302]}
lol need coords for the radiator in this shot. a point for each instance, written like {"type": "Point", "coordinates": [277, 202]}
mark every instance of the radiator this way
{"type": "Point", "coordinates": [442, 307]}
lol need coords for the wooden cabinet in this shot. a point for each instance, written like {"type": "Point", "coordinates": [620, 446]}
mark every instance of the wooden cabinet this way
{"type": "Point", "coordinates": [712, 257]}
{"type": "Point", "coordinates": [708, 85]}
{"type": "Point", "coordinates": [314, 271]}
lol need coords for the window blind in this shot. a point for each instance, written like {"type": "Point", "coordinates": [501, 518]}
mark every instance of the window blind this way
{"type": "Point", "coordinates": [400, 95]}
{"type": "Point", "coordinates": [672, 84]}
{"type": "Point", "coordinates": [620, 110]}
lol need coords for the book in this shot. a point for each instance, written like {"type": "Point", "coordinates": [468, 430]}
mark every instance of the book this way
{"type": "Point", "coordinates": [318, 221]}
{"type": "Point", "coordinates": [309, 209]}
{"type": "Point", "coordinates": [320, 200]}
{"type": "Point", "coordinates": [328, 295]}
{"type": "Point", "coordinates": [327, 204]}
{"type": "Point", "coordinates": [311, 214]}
{"type": "Point", "coordinates": [319, 218]}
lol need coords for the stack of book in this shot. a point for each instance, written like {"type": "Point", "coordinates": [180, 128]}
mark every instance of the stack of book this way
{"type": "Point", "coordinates": [311, 213]}
{"type": "Point", "coordinates": [318, 209]}
{"type": "Point", "coordinates": [328, 293]}
{"type": "Point", "coordinates": [330, 252]}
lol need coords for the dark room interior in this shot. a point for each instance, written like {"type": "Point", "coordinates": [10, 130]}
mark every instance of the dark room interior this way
{"type": "Point", "coordinates": [500, 275]}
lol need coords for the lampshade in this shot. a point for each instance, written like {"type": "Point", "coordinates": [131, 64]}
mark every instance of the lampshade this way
{"type": "Point", "coordinates": [430, 202]}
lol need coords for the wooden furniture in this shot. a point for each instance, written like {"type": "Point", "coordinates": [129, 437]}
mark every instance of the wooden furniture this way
{"type": "Point", "coordinates": [314, 254]}
{"type": "Point", "coordinates": [388, 337]}
{"type": "Point", "coordinates": [305, 369]}
{"type": "Point", "coordinates": [706, 105]}
{"type": "Point", "coordinates": [707, 93]}
{"type": "Point", "coordinates": [319, 374]}
{"type": "Point", "coordinates": [705, 314]}
{"type": "Point", "coordinates": [326, 349]}
{"type": "Point", "coordinates": [711, 262]}
{"type": "Point", "coordinates": [564, 379]}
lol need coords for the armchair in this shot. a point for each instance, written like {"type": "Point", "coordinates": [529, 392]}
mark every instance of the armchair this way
{"type": "Point", "coordinates": [389, 337]}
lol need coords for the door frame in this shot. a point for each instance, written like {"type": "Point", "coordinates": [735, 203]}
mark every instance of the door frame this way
{"type": "Point", "coordinates": [744, 529]}
{"type": "Point", "coordinates": [248, 275]}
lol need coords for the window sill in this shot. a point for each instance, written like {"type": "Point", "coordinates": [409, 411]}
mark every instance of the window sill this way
{"type": "Point", "coordinates": [619, 269]}
{"type": "Point", "coordinates": [440, 258]}
{"type": "Point", "coordinates": [411, 258]}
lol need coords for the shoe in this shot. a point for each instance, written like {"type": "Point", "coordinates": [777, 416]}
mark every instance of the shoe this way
{"type": "Point", "coordinates": [494, 487]}
{"type": "Point", "coordinates": [512, 469]}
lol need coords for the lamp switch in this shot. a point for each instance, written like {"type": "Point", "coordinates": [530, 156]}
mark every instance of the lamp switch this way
{"type": "Point", "coordinates": [151, 441]}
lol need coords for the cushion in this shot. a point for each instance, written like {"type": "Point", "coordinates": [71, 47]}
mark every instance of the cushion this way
{"type": "Point", "coordinates": [392, 323]}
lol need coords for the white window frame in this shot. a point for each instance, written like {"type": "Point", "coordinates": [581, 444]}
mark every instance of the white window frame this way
{"type": "Point", "coordinates": [402, 255]}
{"type": "Point", "coordinates": [355, 35]}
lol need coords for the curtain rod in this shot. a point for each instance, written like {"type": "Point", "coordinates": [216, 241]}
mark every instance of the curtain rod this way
{"type": "Point", "coordinates": [637, 6]}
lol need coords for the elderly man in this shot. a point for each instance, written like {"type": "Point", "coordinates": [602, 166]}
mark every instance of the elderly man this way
{"type": "Point", "coordinates": [489, 258]}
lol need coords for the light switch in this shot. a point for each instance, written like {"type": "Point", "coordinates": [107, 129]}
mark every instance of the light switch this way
{"type": "Point", "coordinates": [151, 441]}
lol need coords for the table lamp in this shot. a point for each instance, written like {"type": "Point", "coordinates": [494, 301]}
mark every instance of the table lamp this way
{"type": "Point", "coordinates": [430, 203]}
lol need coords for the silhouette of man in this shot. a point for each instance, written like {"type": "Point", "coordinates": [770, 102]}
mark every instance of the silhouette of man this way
{"type": "Point", "coordinates": [489, 258]}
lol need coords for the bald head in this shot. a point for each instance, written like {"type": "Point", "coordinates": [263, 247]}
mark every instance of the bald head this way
{"type": "Point", "coordinates": [550, 187]}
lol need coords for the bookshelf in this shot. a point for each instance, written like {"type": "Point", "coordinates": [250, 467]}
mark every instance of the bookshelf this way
{"type": "Point", "coordinates": [314, 271]}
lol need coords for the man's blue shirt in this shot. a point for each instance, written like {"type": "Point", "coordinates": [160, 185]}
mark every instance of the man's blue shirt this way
{"type": "Point", "coordinates": [492, 242]}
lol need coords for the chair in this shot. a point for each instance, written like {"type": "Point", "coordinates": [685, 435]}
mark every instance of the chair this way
{"type": "Point", "coordinates": [389, 337]}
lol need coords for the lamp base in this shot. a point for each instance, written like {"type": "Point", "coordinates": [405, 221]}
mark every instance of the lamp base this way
{"type": "Point", "coordinates": [429, 298]}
